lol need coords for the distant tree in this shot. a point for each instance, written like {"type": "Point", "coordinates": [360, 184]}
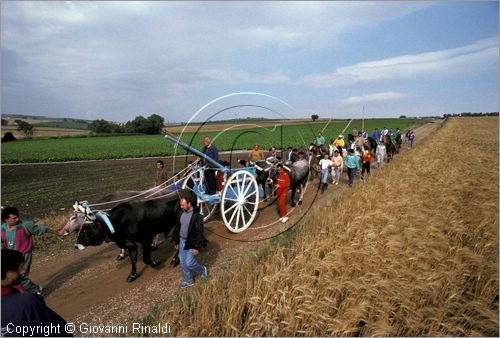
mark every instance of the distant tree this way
{"type": "Point", "coordinates": [8, 137]}
{"type": "Point", "coordinates": [102, 126]}
{"type": "Point", "coordinates": [141, 125]}
{"type": "Point", "coordinates": [314, 117]}
{"type": "Point", "coordinates": [25, 128]}
{"type": "Point", "coordinates": [4, 122]}
{"type": "Point", "coordinates": [137, 125]}
{"type": "Point", "coordinates": [402, 117]}
{"type": "Point", "coordinates": [156, 123]}
{"type": "Point", "coordinates": [151, 125]}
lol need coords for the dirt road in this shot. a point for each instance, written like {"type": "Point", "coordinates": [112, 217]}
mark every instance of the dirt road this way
{"type": "Point", "coordinates": [89, 286]}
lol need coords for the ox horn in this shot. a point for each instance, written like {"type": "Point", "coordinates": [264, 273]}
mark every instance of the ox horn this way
{"type": "Point", "coordinates": [106, 220]}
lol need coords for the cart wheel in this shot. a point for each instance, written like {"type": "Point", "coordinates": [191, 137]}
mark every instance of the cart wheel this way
{"type": "Point", "coordinates": [194, 182]}
{"type": "Point", "coordinates": [240, 201]}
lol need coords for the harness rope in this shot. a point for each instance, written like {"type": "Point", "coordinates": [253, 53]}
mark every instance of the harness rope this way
{"type": "Point", "coordinates": [153, 191]}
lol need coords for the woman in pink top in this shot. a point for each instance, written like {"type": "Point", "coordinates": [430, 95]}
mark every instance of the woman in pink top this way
{"type": "Point", "coordinates": [338, 166]}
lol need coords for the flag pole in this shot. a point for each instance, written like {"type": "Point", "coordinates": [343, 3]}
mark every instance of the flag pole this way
{"type": "Point", "coordinates": [342, 132]}
{"type": "Point", "coordinates": [363, 119]}
{"type": "Point", "coordinates": [330, 120]}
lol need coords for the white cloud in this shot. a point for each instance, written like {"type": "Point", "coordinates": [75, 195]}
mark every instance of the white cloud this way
{"type": "Point", "coordinates": [477, 57]}
{"type": "Point", "coordinates": [235, 77]}
{"type": "Point", "coordinates": [309, 25]}
{"type": "Point", "coordinates": [374, 98]}
{"type": "Point", "coordinates": [123, 57]}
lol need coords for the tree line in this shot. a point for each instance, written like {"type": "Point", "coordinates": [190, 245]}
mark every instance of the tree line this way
{"type": "Point", "coordinates": [470, 114]}
{"type": "Point", "coordinates": [153, 124]}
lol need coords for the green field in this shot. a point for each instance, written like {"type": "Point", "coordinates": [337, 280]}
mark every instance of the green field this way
{"type": "Point", "coordinates": [114, 147]}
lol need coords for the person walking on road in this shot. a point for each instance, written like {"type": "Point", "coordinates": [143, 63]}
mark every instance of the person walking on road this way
{"type": "Point", "coordinates": [282, 189]}
{"type": "Point", "coordinates": [381, 151]}
{"type": "Point", "coordinates": [338, 166]}
{"type": "Point", "coordinates": [411, 139]}
{"type": "Point", "coordinates": [188, 238]}
{"type": "Point", "coordinates": [367, 163]}
{"type": "Point", "coordinates": [352, 164]}
{"type": "Point", "coordinates": [325, 164]}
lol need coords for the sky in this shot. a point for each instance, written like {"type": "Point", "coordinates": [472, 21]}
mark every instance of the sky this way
{"type": "Point", "coordinates": [214, 60]}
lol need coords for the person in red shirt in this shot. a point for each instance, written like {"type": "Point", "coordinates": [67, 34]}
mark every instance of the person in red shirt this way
{"type": "Point", "coordinates": [283, 186]}
{"type": "Point", "coordinates": [367, 162]}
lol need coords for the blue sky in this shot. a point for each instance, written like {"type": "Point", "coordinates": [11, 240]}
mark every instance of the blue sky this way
{"type": "Point", "coordinates": [116, 60]}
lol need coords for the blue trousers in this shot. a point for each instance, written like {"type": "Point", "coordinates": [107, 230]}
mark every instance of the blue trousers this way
{"type": "Point", "coordinates": [324, 176]}
{"type": "Point", "coordinates": [189, 263]}
{"type": "Point", "coordinates": [351, 172]}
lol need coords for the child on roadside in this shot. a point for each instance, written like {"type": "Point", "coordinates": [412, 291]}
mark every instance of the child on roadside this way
{"type": "Point", "coordinates": [367, 162]}
{"type": "Point", "coordinates": [411, 138]}
{"type": "Point", "coordinates": [381, 153]}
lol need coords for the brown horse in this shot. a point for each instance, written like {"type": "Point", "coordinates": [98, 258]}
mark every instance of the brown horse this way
{"type": "Point", "coordinates": [390, 148]}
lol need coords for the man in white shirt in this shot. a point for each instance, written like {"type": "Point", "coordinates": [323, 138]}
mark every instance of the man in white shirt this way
{"type": "Point", "coordinates": [325, 164]}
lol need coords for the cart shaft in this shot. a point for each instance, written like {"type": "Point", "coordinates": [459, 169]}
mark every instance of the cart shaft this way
{"type": "Point", "coordinates": [207, 158]}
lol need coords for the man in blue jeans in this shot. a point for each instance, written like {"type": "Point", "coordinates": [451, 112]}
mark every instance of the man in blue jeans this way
{"type": "Point", "coordinates": [188, 238]}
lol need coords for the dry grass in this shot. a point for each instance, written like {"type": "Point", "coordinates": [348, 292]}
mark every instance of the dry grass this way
{"type": "Point", "coordinates": [413, 252]}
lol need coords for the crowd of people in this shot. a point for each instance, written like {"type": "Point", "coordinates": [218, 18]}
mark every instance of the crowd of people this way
{"type": "Point", "coordinates": [356, 153]}
{"type": "Point", "coordinates": [353, 152]}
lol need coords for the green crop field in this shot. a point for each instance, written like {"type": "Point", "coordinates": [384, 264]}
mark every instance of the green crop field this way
{"type": "Point", "coordinates": [114, 147]}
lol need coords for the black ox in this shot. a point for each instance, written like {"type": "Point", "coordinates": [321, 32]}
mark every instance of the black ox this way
{"type": "Point", "coordinates": [131, 224]}
{"type": "Point", "coordinates": [265, 169]}
{"type": "Point", "coordinates": [111, 200]}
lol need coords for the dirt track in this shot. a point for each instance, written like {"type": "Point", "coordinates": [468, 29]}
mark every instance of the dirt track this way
{"type": "Point", "coordinates": [89, 286]}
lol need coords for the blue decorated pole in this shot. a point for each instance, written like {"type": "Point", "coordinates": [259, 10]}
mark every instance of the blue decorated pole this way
{"type": "Point", "coordinates": [208, 159]}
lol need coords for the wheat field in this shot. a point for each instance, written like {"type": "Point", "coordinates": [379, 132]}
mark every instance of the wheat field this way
{"type": "Point", "coordinates": [412, 252]}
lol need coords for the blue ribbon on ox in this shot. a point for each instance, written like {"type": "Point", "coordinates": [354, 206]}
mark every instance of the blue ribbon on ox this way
{"type": "Point", "coordinates": [106, 220]}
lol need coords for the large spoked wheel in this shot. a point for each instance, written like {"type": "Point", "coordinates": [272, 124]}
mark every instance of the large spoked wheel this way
{"type": "Point", "coordinates": [194, 182]}
{"type": "Point", "coordinates": [240, 201]}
